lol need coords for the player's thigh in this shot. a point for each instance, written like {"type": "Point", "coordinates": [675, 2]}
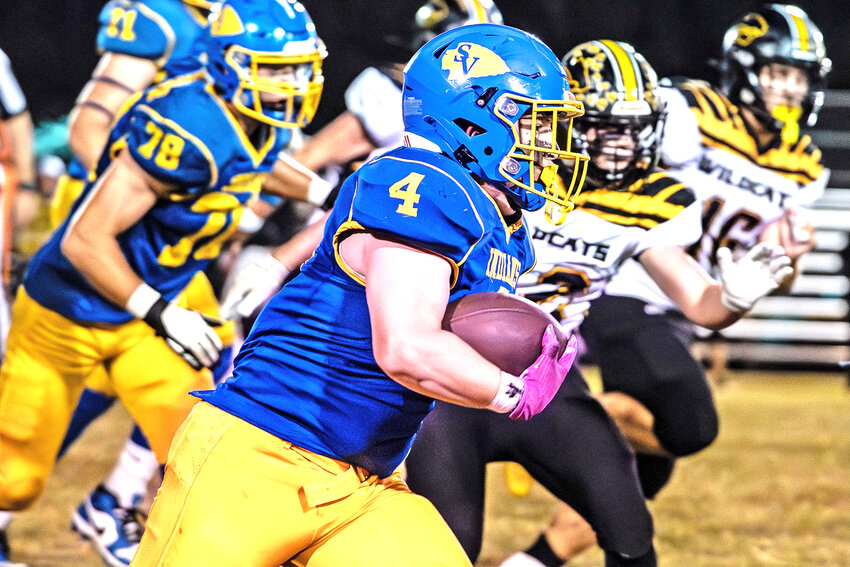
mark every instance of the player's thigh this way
{"type": "Point", "coordinates": [153, 383]}
{"type": "Point", "coordinates": [40, 380]}
{"type": "Point", "coordinates": [576, 451]}
{"type": "Point", "coordinates": [231, 497]}
{"type": "Point", "coordinates": [397, 529]}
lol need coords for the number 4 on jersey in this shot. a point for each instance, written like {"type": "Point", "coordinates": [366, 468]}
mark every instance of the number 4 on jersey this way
{"type": "Point", "coordinates": [406, 191]}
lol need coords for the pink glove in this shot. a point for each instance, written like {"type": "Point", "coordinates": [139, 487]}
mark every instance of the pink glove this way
{"type": "Point", "coordinates": [544, 377]}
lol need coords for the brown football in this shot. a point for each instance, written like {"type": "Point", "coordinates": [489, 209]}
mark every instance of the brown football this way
{"type": "Point", "coordinates": [505, 329]}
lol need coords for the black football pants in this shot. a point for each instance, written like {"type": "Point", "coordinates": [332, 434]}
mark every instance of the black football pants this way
{"type": "Point", "coordinates": [646, 354]}
{"type": "Point", "coordinates": [572, 448]}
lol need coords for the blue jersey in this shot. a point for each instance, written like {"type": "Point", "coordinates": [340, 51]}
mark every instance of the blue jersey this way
{"type": "Point", "coordinates": [307, 373]}
{"type": "Point", "coordinates": [168, 32]}
{"type": "Point", "coordinates": [181, 133]}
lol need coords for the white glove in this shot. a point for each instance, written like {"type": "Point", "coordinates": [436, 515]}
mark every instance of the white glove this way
{"type": "Point", "coordinates": [756, 274]}
{"type": "Point", "coordinates": [254, 278]}
{"type": "Point", "coordinates": [187, 332]}
{"type": "Point", "coordinates": [572, 315]}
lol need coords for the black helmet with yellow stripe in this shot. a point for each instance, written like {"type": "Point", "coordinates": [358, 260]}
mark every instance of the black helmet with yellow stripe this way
{"type": "Point", "coordinates": [777, 33]}
{"type": "Point", "coordinates": [623, 115]}
{"type": "Point", "coordinates": [437, 16]}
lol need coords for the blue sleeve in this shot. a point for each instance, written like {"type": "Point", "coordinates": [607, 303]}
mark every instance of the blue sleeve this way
{"type": "Point", "coordinates": [135, 29]}
{"type": "Point", "coordinates": [420, 205]}
{"type": "Point", "coordinates": [166, 150]}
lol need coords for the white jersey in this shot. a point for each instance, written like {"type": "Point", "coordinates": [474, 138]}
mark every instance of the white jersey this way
{"type": "Point", "coordinates": [742, 187]}
{"type": "Point", "coordinates": [576, 260]}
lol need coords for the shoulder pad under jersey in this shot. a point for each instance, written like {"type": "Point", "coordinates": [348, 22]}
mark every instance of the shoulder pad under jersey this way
{"type": "Point", "coordinates": [422, 199]}
{"type": "Point", "coordinates": [158, 30]}
{"type": "Point", "coordinates": [171, 138]}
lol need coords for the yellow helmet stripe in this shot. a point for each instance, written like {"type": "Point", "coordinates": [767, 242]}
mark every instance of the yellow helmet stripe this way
{"type": "Point", "coordinates": [476, 11]}
{"type": "Point", "coordinates": [631, 82]}
{"type": "Point", "coordinates": [802, 31]}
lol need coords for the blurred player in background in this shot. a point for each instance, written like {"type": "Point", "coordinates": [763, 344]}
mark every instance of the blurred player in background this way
{"type": "Point", "coordinates": [17, 172]}
{"type": "Point", "coordinates": [740, 148]}
{"type": "Point", "coordinates": [627, 210]}
{"type": "Point", "coordinates": [184, 159]}
{"type": "Point", "coordinates": [370, 125]}
{"type": "Point", "coordinates": [141, 42]}
{"type": "Point", "coordinates": [343, 364]}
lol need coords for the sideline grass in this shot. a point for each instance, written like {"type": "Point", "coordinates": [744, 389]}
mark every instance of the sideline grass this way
{"type": "Point", "coordinates": [774, 489]}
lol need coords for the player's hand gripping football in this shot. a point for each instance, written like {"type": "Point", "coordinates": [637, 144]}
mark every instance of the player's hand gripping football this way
{"type": "Point", "coordinates": [760, 271]}
{"type": "Point", "coordinates": [255, 277]}
{"type": "Point", "coordinates": [543, 378]}
{"type": "Point", "coordinates": [187, 332]}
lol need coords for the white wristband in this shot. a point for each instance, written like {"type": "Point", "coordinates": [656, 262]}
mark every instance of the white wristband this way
{"type": "Point", "coordinates": [509, 393]}
{"type": "Point", "coordinates": [318, 191]}
{"type": "Point", "coordinates": [141, 301]}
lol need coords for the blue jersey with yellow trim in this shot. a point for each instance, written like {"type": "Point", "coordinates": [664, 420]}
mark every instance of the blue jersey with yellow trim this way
{"type": "Point", "coordinates": [307, 373]}
{"type": "Point", "coordinates": [168, 32]}
{"type": "Point", "coordinates": [181, 133]}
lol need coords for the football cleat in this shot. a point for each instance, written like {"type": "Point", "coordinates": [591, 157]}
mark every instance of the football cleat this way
{"type": "Point", "coordinates": [4, 552]}
{"type": "Point", "coordinates": [114, 531]}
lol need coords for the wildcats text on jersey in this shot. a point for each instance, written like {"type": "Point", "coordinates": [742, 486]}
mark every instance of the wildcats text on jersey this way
{"type": "Point", "coordinates": [595, 250]}
{"type": "Point", "coordinates": [729, 176]}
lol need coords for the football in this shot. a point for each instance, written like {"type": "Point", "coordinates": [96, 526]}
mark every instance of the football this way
{"type": "Point", "coordinates": [505, 329]}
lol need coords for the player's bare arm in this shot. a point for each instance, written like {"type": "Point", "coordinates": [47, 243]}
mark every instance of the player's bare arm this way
{"type": "Point", "coordinates": [341, 141]}
{"type": "Point", "coordinates": [113, 82]}
{"type": "Point", "coordinates": [123, 195]}
{"type": "Point", "coordinates": [407, 291]}
{"type": "Point", "coordinates": [695, 292]}
{"type": "Point", "coordinates": [21, 133]}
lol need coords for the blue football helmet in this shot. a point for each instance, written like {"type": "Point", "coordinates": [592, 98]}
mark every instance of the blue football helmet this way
{"type": "Point", "coordinates": [265, 58]}
{"type": "Point", "coordinates": [492, 97]}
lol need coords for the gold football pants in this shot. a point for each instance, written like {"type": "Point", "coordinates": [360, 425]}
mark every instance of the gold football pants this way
{"type": "Point", "coordinates": [237, 496]}
{"type": "Point", "coordinates": [47, 362]}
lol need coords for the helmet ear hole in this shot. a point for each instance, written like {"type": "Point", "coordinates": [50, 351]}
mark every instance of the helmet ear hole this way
{"type": "Point", "coordinates": [470, 128]}
{"type": "Point", "coordinates": [488, 151]}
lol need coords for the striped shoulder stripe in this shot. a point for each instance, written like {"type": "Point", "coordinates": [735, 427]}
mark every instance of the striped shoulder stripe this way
{"type": "Point", "coordinates": [663, 187]}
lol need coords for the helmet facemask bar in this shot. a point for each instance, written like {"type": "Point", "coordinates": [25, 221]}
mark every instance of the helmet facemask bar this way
{"type": "Point", "coordinates": [541, 150]}
{"type": "Point", "coordinates": [300, 97]}
{"type": "Point", "coordinates": [203, 4]}
{"type": "Point", "coordinates": [637, 159]}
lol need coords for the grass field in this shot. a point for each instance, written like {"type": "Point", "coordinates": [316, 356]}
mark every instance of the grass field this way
{"type": "Point", "coordinates": [774, 489]}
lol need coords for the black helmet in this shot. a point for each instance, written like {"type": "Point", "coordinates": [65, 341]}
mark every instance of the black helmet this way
{"type": "Point", "coordinates": [777, 33]}
{"type": "Point", "coordinates": [437, 16]}
{"type": "Point", "coordinates": [619, 90]}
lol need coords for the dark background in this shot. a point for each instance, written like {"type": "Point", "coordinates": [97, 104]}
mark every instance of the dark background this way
{"type": "Point", "coordinates": [51, 42]}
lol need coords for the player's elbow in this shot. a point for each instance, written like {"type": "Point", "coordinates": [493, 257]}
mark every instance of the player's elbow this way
{"type": "Point", "coordinates": [75, 246]}
{"type": "Point", "coordinates": [398, 356]}
{"type": "Point", "coordinates": [87, 134]}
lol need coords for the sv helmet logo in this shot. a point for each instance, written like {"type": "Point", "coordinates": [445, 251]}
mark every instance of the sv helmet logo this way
{"type": "Point", "coordinates": [751, 28]}
{"type": "Point", "coordinates": [470, 60]}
